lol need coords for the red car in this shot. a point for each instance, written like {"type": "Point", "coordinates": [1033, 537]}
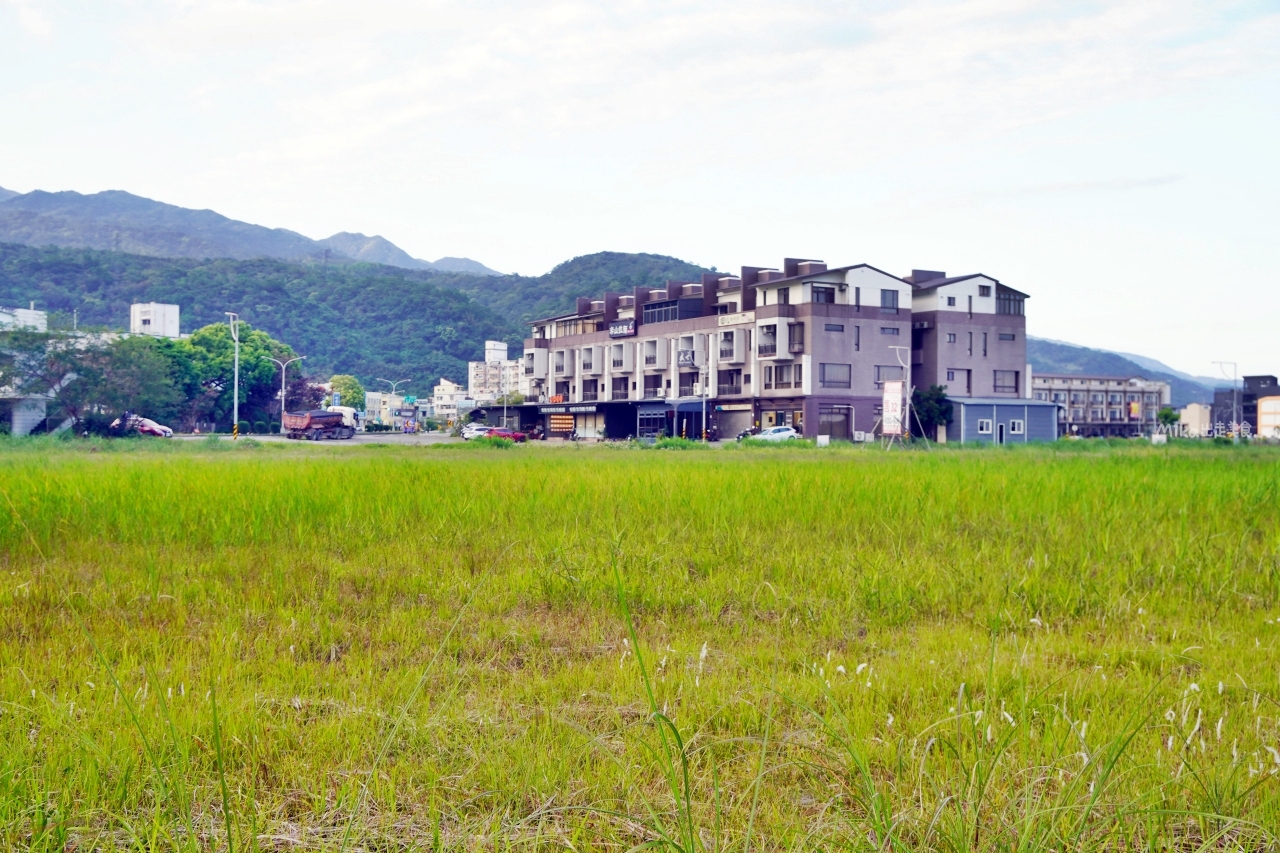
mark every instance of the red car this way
{"type": "Point", "coordinates": [499, 432]}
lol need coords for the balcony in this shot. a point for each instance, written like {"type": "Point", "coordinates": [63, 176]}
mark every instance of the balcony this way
{"type": "Point", "coordinates": [728, 390]}
{"type": "Point", "coordinates": [650, 360]}
{"type": "Point", "coordinates": [726, 352]}
{"type": "Point", "coordinates": [528, 371]}
{"type": "Point", "coordinates": [795, 347]}
{"type": "Point", "coordinates": [654, 393]}
{"type": "Point", "coordinates": [617, 364]}
{"type": "Point", "coordinates": [590, 396]}
{"type": "Point", "coordinates": [687, 391]}
{"type": "Point", "coordinates": [767, 349]}
{"type": "Point", "coordinates": [558, 398]}
{"type": "Point", "coordinates": [620, 395]}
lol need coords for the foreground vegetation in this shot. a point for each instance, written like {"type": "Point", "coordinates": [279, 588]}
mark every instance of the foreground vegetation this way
{"type": "Point", "coordinates": [1069, 648]}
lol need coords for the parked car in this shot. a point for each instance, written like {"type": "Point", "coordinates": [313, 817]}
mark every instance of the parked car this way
{"type": "Point", "coordinates": [778, 433]}
{"type": "Point", "coordinates": [475, 430]}
{"type": "Point", "coordinates": [144, 426]}
{"type": "Point", "coordinates": [514, 435]}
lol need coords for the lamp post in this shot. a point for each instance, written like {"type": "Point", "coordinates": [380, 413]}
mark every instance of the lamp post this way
{"type": "Point", "coordinates": [1235, 397]}
{"type": "Point", "coordinates": [234, 322]}
{"type": "Point", "coordinates": [393, 392]}
{"type": "Point", "coordinates": [283, 366]}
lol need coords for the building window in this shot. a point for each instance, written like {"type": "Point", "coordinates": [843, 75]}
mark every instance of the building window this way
{"type": "Point", "coordinates": [1096, 414]}
{"type": "Point", "coordinates": [889, 330]}
{"type": "Point", "coordinates": [834, 327]}
{"type": "Point", "coordinates": [857, 299]}
{"type": "Point", "coordinates": [784, 296]}
{"type": "Point", "coordinates": [660, 312]}
{"type": "Point", "coordinates": [1008, 336]}
{"type": "Point", "coordinates": [857, 338]}
{"type": "Point", "coordinates": [951, 337]}
{"type": "Point", "coordinates": [782, 376]}
{"type": "Point", "coordinates": [835, 375]}
{"type": "Point", "coordinates": [1009, 303]}
{"type": "Point", "coordinates": [768, 377]}
{"type": "Point", "coordinates": [1006, 381]}
{"type": "Point", "coordinates": [1116, 415]}
{"type": "Point", "coordinates": [1017, 427]}
{"type": "Point", "coordinates": [889, 301]}
{"type": "Point", "coordinates": [1042, 395]}
{"type": "Point", "coordinates": [1114, 398]}
{"type": "Point", "coordinates": [984, 426]}
{"type": "Point", "coordinates": [795, 337]}
{"type": "Point", "coordinates": [984, 344]}
{"type": "Point", "coordinates": [951, 302]}
{"type": "Point", "coordinates": [798, 376]}
{"type": "Point", "coordinates": [1095, 398]}
{"type": "Point", "coordinates": [984, 290]}
{"type": "Point", "coordinates": [951, 376]}
{"type": "Point", "coordinates": [887, 373]}
{"type": "Point", "coordinates": [768, 340]}
{"type": "Point", "coordinates": [824, 294]}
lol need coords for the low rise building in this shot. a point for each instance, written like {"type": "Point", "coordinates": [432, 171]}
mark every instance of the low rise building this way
{"type": "Point", "coordinates": [1103, 406]}
{"type": "Point", "coordinates": [24, 318]}
{"type": "Point", "coordinates": [1239, 405]}
{"type": "Point", "coordinates": [1269, 417]}
{"type": "Point", "coordinates": [1195, 420]}
{"type": "Point", "coordinates": [449, 401]}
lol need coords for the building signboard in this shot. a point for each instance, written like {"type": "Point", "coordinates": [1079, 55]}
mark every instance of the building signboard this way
{"type": "Point", "coordinates": [891, 420]}
{"type": "Point", "coordinates": [622, 328]}
{"type": "Point", "coordinates": [584, 409]}
{"type": "Point", "coordinates": [404, 413]}
{"type": "Point", "coordinates": [736, 319]}
{"type": "Point", "coordinates": [734, 407]}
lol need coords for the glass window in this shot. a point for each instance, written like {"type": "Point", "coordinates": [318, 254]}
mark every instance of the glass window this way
{"type": "Point", "coordinates": [951, 302]}
{"type": "Point", "coordinates": [824, 294]}
{"type": "Point", "coordinates": [889, 301]}
{"type": "Point", "coordinates": [660, 312]}
{"type": "Point", "coordinates": [835, 375]}
{"type": "Point", "coordinates": [887, 373]}
{"type": "Point", "coordinates": [834, 327]}
{"type": "Point", "coordinates": [984, 426]}
{"type": "Point", "coordinates": [1008, 336]}
{"type": "Point", "coordinates": [951, 337]}
{"type": "Point", "coordinates": [784, 296]}
{"type": "Point", "coordinates": [889, 330]}
{"type": "Point", "coordinates": [1006, 381]}
{"type": "Point", "coordinates": [984, 290]}
{"type": "Point", "coordinates": [1017, 427]}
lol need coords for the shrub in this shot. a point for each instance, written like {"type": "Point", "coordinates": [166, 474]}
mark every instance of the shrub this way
{"type": "Point", "coordinates": [676, 443]}
{"type": "Point", "coordinates": [260, 427]}
{"type": "Point", "coordinates": [494, 442]}
{"type": "Point", "coordinates": [273, 427]}
{"type": "Point", "coordinates": [244, 427]}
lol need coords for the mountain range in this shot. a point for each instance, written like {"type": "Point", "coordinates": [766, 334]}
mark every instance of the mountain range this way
{"type": "Point", "coordinates": [119, 221]}
{"type": "Point", "coordinates": [354, 303]}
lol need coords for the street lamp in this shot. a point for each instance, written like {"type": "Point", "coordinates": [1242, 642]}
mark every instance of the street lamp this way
{"type": "Point", "coordinates": [392, 384]}
{"type": "Point", "coordinates": [234, 322]}
{"type": "Point", "coordinates": [1235, 398]}
{"type": "Point", "coordinates": [283, 366]}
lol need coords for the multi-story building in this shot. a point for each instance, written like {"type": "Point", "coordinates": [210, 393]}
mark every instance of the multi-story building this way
{"type": "Point", "coordinates": [1195, 420]}
{"type": "Point", "coordinates": [804, 346]}
{"type": "Point", "coordinates": [154, 318]}
{"type": "Point", "coordinates": [1240, 405]}
{"type": "Point", "coordinates": [24, 318]}
{"type": "Point", "coordinates": [1268, 417]}
{"type": "Point", "coordinates": [449, 400]}
{"type": "Point", "coordinates": [1103, 406]}
{"type": "Point", "coordinates": [968, 334]}
{"type": "Point", "coordinates": [495, 377]}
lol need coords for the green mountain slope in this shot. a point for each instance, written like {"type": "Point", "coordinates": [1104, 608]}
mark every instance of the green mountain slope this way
{"type": "Point", "coordinates": [370, 321]}
{"type": "Point", "coordinates": [1052, 357]}
{"type": "Point", "coordinates": [120, 221]}
{"type": "Point", "coordinates": [523, 298]}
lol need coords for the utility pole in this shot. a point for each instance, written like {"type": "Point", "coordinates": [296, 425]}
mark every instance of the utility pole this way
{"type": "Point", "coordinates": [1235, 398]}
{"type": "Point", "coordinates": [235, 392]}
{"type": "Point", "coordinates": [283, 366]}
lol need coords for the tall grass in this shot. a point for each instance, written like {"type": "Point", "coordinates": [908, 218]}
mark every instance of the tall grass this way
{"type": "Point", "coordinates": [1042, 649]}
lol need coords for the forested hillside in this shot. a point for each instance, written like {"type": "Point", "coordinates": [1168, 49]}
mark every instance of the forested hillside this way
{"type": "Point", "coordinates": [523, 298]}
{"type": "Point", "coordinates": [368, 320]}
{"type": "Point", "coordinates": [1052, 357]}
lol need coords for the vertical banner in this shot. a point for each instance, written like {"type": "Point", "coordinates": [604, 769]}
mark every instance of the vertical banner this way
{"type": "Point", "coordinates": [891, 421]}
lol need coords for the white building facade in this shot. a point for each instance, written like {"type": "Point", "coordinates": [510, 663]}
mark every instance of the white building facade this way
{"type": "Point", "coordinates": [154, 318]}
{"type": "Point", "coordinates": [494, 377]}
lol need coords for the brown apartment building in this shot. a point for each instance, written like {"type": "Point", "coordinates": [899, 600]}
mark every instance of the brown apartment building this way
{"type": "Point", "coordinates": [804, 346]}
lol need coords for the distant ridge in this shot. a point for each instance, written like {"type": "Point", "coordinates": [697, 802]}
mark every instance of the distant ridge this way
{"type": "Point", "coordinates": [115, 220]}
{"type": "Point", "coordinates": [1048, 356]}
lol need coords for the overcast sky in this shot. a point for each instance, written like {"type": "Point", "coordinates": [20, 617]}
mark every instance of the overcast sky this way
{"type": "Point", "coordinates": [1116, 160]}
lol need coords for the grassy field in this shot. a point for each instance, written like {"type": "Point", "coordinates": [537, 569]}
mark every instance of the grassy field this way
{"type": "Point", "coordinates": [1066, 648]}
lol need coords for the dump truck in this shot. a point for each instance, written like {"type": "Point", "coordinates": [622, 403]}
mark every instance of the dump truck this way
{"type": "Point", "coordinates": [316, 425]}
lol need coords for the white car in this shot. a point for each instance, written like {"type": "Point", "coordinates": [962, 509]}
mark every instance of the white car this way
{"type": "Point", "coordinates": [778, 433]}
{"type": "Point", "coordinates": [475, 430]}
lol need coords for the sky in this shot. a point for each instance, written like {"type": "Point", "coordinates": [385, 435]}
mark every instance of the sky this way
{"type": "Point", "coordinates": [1115, 160]}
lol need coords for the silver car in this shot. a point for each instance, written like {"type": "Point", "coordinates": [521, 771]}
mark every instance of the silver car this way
{"type": "Point", "coordinates": [778, 433]}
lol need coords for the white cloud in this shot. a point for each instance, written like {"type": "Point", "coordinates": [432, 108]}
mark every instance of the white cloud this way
{"type": "Point", "coordinates": [32, 21]}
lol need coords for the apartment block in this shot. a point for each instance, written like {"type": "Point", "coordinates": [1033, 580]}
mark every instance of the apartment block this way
{"type": "Point", "coordinates": [1240, 405]}
{"type": "Point", "coordinates": [154, 318]}
{"type": "Point", "coordinates": [495, 377]}
{"type": "Point", "coordinates": [1103, 406]}
{"type": "Point", "coordinates": [803, 345]}
{"type": "Point", "coordinates": [969, 335]}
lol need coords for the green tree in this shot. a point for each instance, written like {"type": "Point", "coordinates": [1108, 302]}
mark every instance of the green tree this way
{"type": "Point", "coordinates": [213, 353]}
{"type": "Point", "coordinates": [1167, 416]}
{"type": "Point", "coordinates": [138, 375]}
{"type": "Point", "coordinates": [350, 389]}
{"type": "Point", "coordinates": [931, 409]}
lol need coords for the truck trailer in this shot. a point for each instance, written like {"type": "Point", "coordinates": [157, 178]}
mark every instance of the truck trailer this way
{"type": "Point", "coordinates": [317, 425]}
